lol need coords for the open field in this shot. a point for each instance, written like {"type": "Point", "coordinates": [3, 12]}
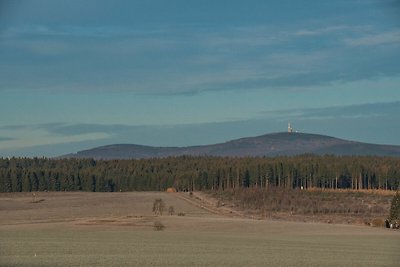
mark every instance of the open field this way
{"type": "Point", "coordinates": [116, 229]}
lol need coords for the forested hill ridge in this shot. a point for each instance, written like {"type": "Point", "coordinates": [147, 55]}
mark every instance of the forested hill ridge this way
{"type": "Point", "coordinates": [275, 144]}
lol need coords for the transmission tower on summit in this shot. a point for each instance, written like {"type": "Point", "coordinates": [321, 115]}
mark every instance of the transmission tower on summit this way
{"type": "Point", "coordinates": [289, 128]}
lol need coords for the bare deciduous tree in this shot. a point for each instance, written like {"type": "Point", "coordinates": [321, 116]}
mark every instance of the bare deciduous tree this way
{"type": "Point", "coordinates": [158, 206]}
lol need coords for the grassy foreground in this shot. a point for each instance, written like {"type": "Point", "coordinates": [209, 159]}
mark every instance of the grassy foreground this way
{"type": "Point", "coordinates": [265, 244]}
{"type": "Point", "coordinates": [200, 239]}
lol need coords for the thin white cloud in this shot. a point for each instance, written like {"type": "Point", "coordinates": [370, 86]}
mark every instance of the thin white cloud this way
{"type": "Point", "coordinates": [376, 39]}
{"type": "Point", "coordinates": [45, 139]}
{"type": "Point", "coordinates": [335, 29]}
{"type": "Point", "coordinates": [368, 110]}
{"type": "Point", "coordinates": [319, 31]}
{"type": "Point", "coordinates": [173, 61]}
{"type": "Point", "coordinates": [6, 139]}
{"type": "Point", "coordinates": [81, 31]}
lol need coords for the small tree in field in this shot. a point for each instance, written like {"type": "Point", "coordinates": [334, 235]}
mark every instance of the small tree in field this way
{"type": "Point", "coordinates": [394, 216]}
{"type": "Point", "coordinates": [171, 210]}
{"type": "Point", "coordinates": [158, 206]}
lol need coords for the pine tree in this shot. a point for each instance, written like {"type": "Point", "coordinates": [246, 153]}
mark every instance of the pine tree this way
{"type": "Point", "coordinates": [246, 179]}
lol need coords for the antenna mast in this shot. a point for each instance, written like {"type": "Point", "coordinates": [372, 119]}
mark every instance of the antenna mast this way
{"type": "Point", "coordinates": [289, 129]}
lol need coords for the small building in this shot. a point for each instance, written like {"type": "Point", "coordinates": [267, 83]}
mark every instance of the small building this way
{"type": "Point", "coordinates": [171, 190]}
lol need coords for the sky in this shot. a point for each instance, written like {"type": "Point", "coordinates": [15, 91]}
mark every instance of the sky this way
{"type": "Point", "coordinates": [80, 74]}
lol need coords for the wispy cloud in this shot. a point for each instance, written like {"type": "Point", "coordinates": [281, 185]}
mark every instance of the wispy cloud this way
{"type": "Point", "coordinates": [184, 60]}
{"type": "Point", "coordinates": [31, 126]}
{"type": "Point", "coordinates": [43, 134]}
{"type": "Point", "coordinates": [320, 31]}
{"type": "Point", "coordinates": [40, 140]}
{"type": "Point", "coordinates": [59, 129]}
{"type": "Point", "coordinates": [390, 37]}
{"type": "Point", "coordinates": [62, 138]}
{"type": "Point", "coordinates": [85, 128]}
{"type": "Point", "coordinates": [46, 31]}
{"type": "Point", "coordinates": [5, 139]}
{"type": "Point", "coordinates": [368, 110]}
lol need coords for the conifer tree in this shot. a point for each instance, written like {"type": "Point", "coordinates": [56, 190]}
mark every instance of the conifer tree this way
{"type": "Point", "coordinates": [394, 216]}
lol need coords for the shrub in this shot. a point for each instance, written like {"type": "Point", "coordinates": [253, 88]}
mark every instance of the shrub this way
{"type": "Point", "coordinates": [158, 226]}
{"type": "Point", "coordinates": [378, 222]}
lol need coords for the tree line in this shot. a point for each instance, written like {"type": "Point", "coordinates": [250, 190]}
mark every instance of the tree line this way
{"type": "Point", "coordinates": [199, 173]}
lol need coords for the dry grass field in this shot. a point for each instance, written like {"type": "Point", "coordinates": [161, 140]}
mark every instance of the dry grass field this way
{"type": "Point", "coordinates": [116, 229]}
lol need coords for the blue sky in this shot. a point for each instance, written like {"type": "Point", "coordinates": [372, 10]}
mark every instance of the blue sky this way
{"type": "Point", "coordinates": [79, 74]}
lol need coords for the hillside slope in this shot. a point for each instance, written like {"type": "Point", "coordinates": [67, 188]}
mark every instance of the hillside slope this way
{"type": "Point", "coordinates": [276, 144]}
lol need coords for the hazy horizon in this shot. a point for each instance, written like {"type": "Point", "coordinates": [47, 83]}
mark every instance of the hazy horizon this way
{"type": "Point", "coordinates": [76, 75]}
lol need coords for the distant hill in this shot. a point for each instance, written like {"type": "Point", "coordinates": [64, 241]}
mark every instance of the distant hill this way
{"type": "Point", "coordinates": [276, 144]}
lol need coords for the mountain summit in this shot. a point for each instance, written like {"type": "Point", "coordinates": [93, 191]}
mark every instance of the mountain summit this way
{"type": "Point", "coordinates": [276, 144]}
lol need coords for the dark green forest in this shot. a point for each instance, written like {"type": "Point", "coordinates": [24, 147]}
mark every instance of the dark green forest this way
{"type": "Point", "coordinates": [198, 173]}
